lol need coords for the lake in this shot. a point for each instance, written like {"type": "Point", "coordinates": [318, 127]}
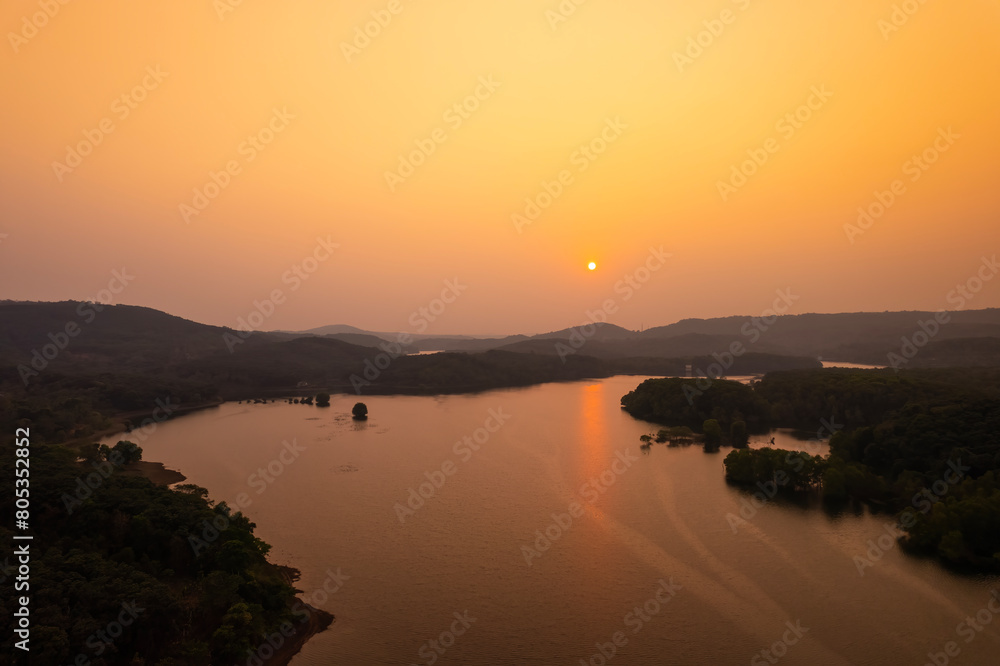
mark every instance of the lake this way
{"type": "Point", "coordinates": [544, 535]}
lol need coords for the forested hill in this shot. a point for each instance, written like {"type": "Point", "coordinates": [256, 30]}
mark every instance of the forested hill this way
{"type": "Point", "coordinates": [46, 348]}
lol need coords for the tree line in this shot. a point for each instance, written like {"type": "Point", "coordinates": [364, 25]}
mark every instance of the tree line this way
{"type": "Point", "coordinates": [924, 444]}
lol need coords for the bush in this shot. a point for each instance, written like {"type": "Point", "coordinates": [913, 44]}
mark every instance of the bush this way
{"type": "Point", "coordinates": [713, 434]}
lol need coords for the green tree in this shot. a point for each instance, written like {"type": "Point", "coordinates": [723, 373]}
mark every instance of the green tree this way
{"type": "Point", "coordinates": [130, 452]}
{"type": "Point", "coordinates": [713, 434]}
{"type": "Point", "coordinates": [236, 635]}
{"type": "Point", "coordinates": [738, 434]}
{"type": "Point", "coordinates": [739, 467]}
{"type": "Point", "coordinates": [234, 556]}
{"type": "Point", "coordinates": [834, 481]}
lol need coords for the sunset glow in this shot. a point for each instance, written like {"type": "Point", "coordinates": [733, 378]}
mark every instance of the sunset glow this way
{"type": "Point", "coordinates": [512, 332]}
{"type": "Point", "coordinates": [207, 146]}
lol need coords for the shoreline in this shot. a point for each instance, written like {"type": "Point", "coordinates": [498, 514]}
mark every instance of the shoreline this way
{"type": "Point", "coordinates": [156, 472]}
{"type": "Point", "coordinates": [121, 421]}
{"type": "Point", "coordinates": [316, 621]}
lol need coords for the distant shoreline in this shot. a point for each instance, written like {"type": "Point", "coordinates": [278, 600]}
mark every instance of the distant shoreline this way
{"type": "Point", "coordinates": [121, 420]}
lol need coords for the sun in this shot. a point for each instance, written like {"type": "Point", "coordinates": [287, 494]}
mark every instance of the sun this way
{"type": "Point", "coordinates": [592, 266]}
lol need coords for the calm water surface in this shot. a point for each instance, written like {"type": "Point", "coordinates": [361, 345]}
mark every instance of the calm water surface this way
{"type": "Point", "coordinates": [477, 547]}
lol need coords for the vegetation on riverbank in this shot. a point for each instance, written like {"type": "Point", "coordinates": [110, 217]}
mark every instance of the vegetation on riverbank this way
{"type": "Point", "coordinates": [183, 579]}
{"type": "Point", "coordinates": [924, 444]}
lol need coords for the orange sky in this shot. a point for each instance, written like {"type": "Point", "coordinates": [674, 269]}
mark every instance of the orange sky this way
{"type": "Point", "coordinates": [333, 114]}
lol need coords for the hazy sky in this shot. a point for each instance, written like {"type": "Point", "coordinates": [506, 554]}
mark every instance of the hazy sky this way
{"type": "Point", "coordinates": [416, 149]}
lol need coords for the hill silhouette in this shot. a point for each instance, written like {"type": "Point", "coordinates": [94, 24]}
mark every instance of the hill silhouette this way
{"type": "Point", "coordinates": [83, 340]}
{"type": "Point", "coordinates": [860, 337]}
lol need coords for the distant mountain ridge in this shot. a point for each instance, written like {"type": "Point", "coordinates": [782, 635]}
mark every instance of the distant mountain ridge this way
{"type": "Point", "coordinates": [341, 329]}
{"type": "Point", "coordinates": [40, 342]}
{"type": "Point", "coordinates": [858, 337]}
{"type": "Point", "coordinates": [46, 347]}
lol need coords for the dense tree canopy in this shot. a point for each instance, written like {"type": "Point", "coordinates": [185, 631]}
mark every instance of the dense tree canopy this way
{"type": "Point", "coordinates": [924, 443]}
{"type": "Point", "coordinates": [690, 402]}
{"type": "Point", "coordinates": [180, 568]}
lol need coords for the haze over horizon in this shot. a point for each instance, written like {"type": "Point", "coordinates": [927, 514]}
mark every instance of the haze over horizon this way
{"type": "Point", "coordinates": [645, 327]}
{"type": "Point", "coordinates": [309, 117]}
{"type": "Point", "coordinates": [300, 360]}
